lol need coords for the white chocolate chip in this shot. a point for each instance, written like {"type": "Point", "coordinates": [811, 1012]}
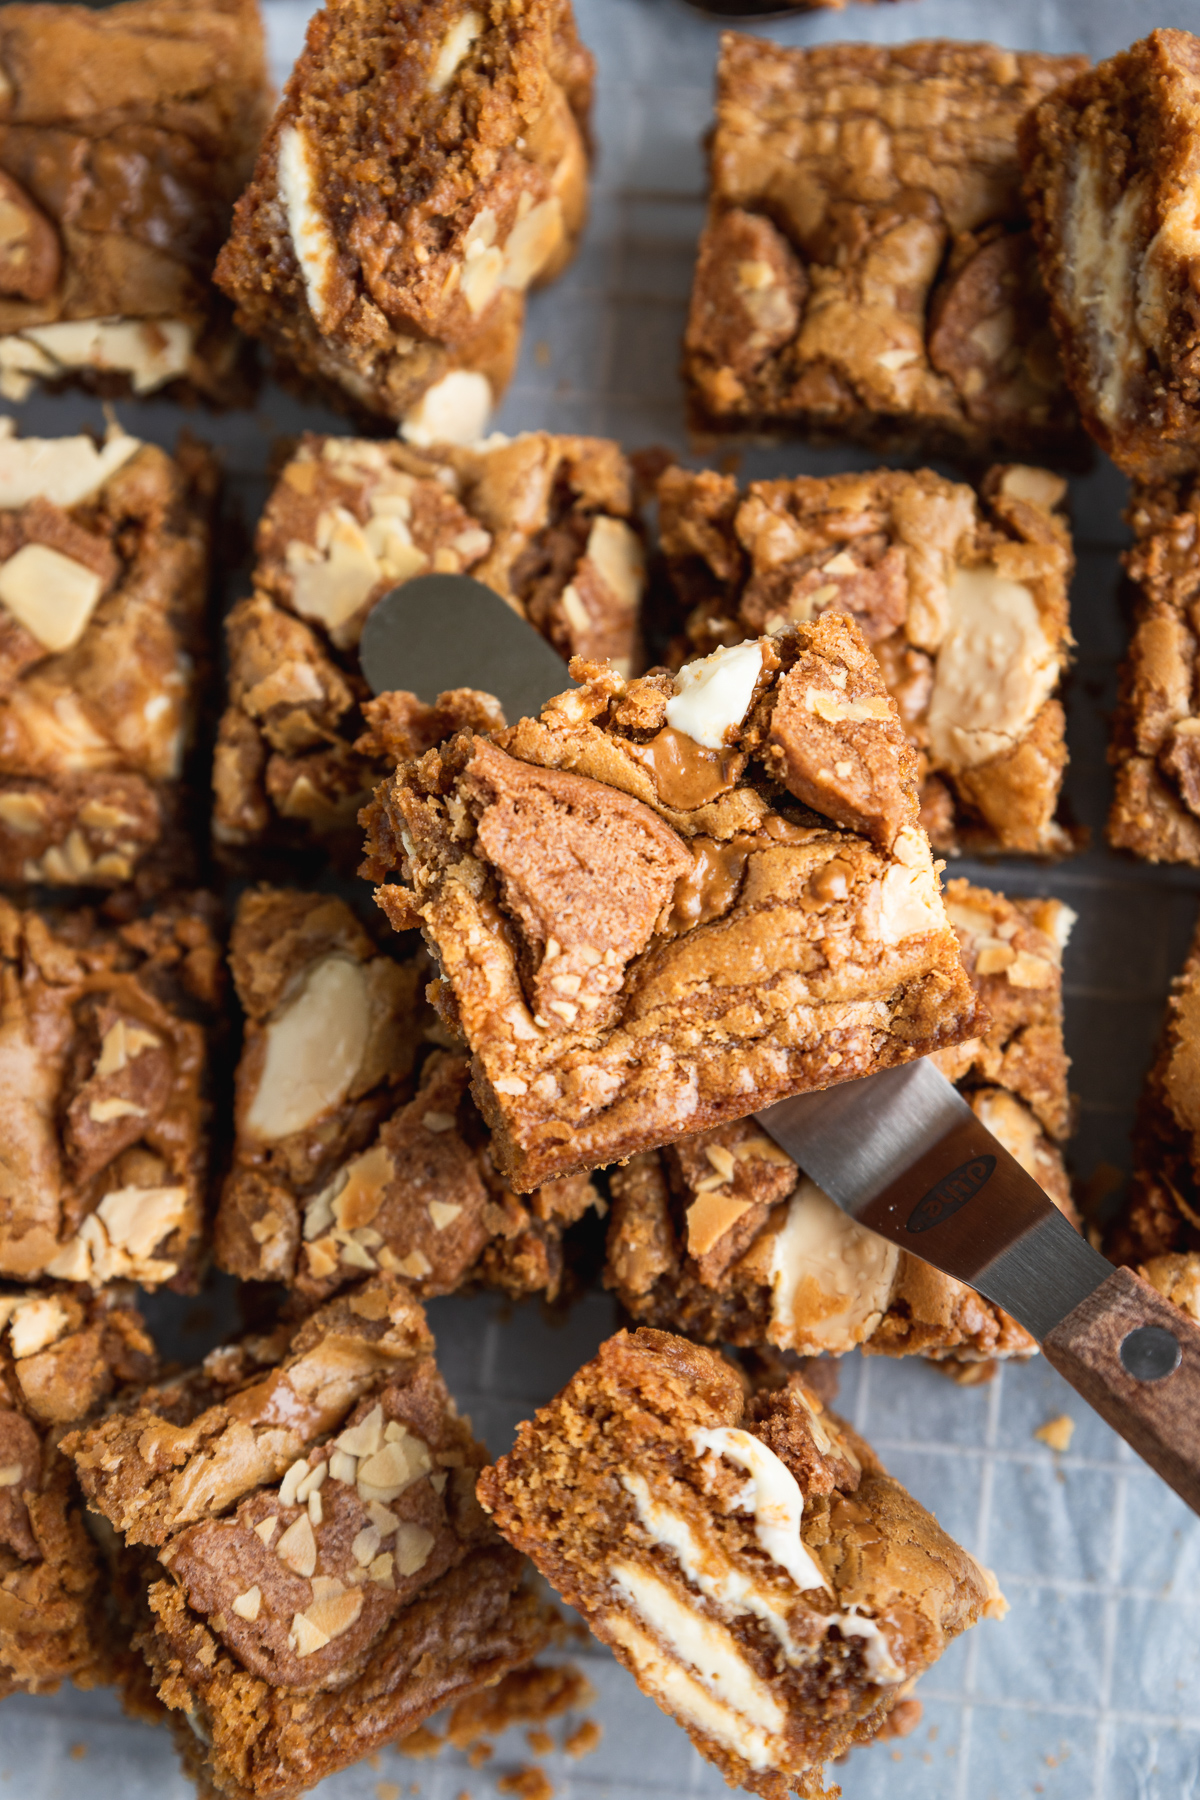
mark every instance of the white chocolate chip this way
{"type": "Point", "coordinates": [453, 411]}
{"type": "Point", "coordinates": [50, 594]}
{"type": "Point", "coordinates": [713, 695]}
{"type": "Point", "coordinates": [61, 470]}
{"type": "Point", "coordinates": [36, 1324]}
{"type": "Point", "coordinates": [312, 239]}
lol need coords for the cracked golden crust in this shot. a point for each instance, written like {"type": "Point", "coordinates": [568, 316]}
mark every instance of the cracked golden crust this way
{"type": "Point", "coordinates": [866, 269]}
{"type": "Point", "coordinates": [267, 1483]}
{"type": "Point", "coordinates": [694, 1228]}
{"type": "Point", "coordinates": [1110, 161]}
{"type": "Point", "coordinates": [547, 521]}
{"type": "Point", "coordinates": [94, 738]}
{"type": "Point", "coordinates": [1156, 805]}
{"type": "Point", "coordinates": [409, 167]}
{"type": "Point", "coordinates": [566, 1495]}
{"type": "Point", "coordinates": [888, 548]}
{"type": "Point", "coordinates": [164, 100]}
{"type": "Point", "coordinates": [783, 951]}
{"type": "Point", "coordinates": [104, 1090]}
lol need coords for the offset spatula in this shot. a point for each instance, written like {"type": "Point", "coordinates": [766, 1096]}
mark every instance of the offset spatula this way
{"type": "Point", "coordinates": [901, 1151]}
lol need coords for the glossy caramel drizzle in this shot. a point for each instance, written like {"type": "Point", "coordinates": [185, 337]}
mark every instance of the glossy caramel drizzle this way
{"type": "Point", "coordinates": [685, 774]}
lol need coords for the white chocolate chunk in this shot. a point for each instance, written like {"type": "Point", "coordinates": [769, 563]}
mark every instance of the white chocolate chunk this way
{"type": "Point", "coordinates": [616, 555]}
{"type": "Point", "coordinates": [454, 410]}
{"type": "Point", "coordinates": [36, 1324]}
{"type": "Point", "coordinates": [683, 1695]}
{"type": "Point", "coordinates": [831, 1278]}
{"type": "Point", "coordinates": [713, 695]}
{"type": "Point", "coordinates": [910, 900]}
{"type": "Point", "coordinates": [995, 669]}
{"type": "Point", "coordinates": [150, 351]}
{"type": "Point", "coordinates": [881, 1664]}
{"type": "Point", "coordinates": [776, 1502]}
{"type": "Point", "coordinates": [314, 1050]}
{"type": "Point", "coordinates": [61, 470]}
{"type": "Point", "coordinates": [312, 240]}
{"type": "Point", "coordinates": [51, 595]}
{"type": "Point", "coordinates": [703, 1645]}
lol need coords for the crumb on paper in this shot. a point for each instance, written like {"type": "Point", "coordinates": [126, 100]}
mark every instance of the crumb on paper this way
{"type": "Point", "coordinates": [523, 1697]}
{"type": "Point", "coordinates": [78, 1751]}
{"type": "Point", "coordinates": [539, 1741]}
{"type": "Point", "coordinates": [968, 1374]}
{"type": "Point", "coordinates": [527, 1784]}
{"type": "Point", "coordinates": [584, 1739]}
{"type": "Point", "coordinates": [373, 1760]}
{"type": "Point", "coordinates": [480, 1753]}
{"type": "Point", "coordinates": [421, 1742]}
{"type": "Point", "coordinates": [1057, 1432]}
{"type": "Point", "coordinates": [387, 1790]}
{"type": "Point", "coordinates": [904, 1717]}
{"type": "Point", "coordinates": [541, 354]}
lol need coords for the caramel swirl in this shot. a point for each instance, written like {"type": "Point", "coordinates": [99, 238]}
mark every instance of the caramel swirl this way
{"type": "Point", "coordinates": [685, 774]}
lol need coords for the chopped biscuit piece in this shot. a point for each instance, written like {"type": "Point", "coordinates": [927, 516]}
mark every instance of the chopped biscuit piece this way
{"type": "Point", "coordinates": [546, 521]}
{"type": "Point", "coordinates": [1157, 1227]}
{"type": "Point", "coordinates": [1111, 162]}
{"type": "Point", "coordinates": [103, 1094]}
{"type": "Point", "coordinates": [289, 1640]}
{"type": "Point", "coordinates": [428, 164]}
{"type": "Point", "coordinates": [1155, 745]}
{"type": "Point", "coordinates": [103, 589]}
{"type": "Point", "coordinates": [641, 933]}
{"type": "Point", "coordinates": [722, 1236]}
{"type": "Point", "coordinates": [126, 135]}
{"type": "Point", "coordinates": [339, 1168]}
{"type": "Point", "coordinates": [63, 1352]}
{"type": "Point", "coordinates": [748, 1560]}
{"type": "Point", "coordinates": [867, 268]}
{"type": "Point", "coordinates": [961, 595]}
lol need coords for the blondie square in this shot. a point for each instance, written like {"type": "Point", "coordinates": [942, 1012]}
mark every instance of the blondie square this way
{"type": "Point", "coordinates": [672, 900]}
{"type": "Point", "coordinates": [324, 1576]}
{"type": "Point", "coordinates": [63, 1353]}
{"type": "Point", "coordinates": [867, 268]}
{"type": "Point", "coordinates": [428, 165]}
{"type": "Point", "coordinates": [1111, 161]}
{"type": "Point", "coordinates": [723, 1237]}
{"type": "Point", "coordinates": [962, 595]}
{"type": "Point", "coordinates": [1156, 727]}
{"type": "Point", "coordinates": [339, 1167]}
{"type": "Point", "coordinates": [750, 1562]}
{"type": "Point", "coordinates": [126, 135]}
{"type": "Point", "coordinates": [103, 1093]}
{"type": "Point", "coordinates": [546, 521]}
{"type": "Point", "coordinates": [103, 590]}
{"type": "Point", "coordinates": [1157, 1227]}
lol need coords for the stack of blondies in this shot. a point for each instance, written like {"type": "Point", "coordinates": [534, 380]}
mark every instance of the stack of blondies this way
{"type": "Point", "coordinates": [370, 998]}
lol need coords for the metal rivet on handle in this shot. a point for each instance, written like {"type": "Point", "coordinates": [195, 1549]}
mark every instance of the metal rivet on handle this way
{"type": "Point", "coordinates": [1150, 1353]}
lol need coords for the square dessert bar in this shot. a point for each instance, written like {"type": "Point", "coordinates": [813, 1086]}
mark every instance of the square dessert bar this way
{"type": "Point", "coordinates": [323, 1577]}
{"type": "Point", "coordinates": [867, 268]}
{"type": "Point", "coordinates": [427, 165]}
{"type": "Point", "coordinates": [641, 933]}
{"type": "Point", "coordinates": [1111, 161]}
{"type": "Point", "coordinates": [103, 590]}
{"type": "Point", "coordinates": [63, 1353]}
{"type": "Point", "coordinates": [961, 594]}
{"type": "Point", "coordinates": [126, 135]}
{"type": "Point", "coordinates": [750, 1562]}
{"type": "Point", "coordinates": [1156, 727]}
{"type": "Point", "coordinates": [103, 1093]}
{"type": "Point", "coordinates": [1157, 1227]}
{"type": "Point", "coordinates": [723, 1237]}
{"type": "Point", "coordinates": [546, 521]}
{"type": "Point", "coordinates": [339, 1167]}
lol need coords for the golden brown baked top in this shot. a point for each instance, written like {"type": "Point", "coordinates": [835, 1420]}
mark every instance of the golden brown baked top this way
{"type": "Point", "coordinates": [641, 935]}
{"type": "Point", "coordinates": [867, 265]}
{"type": "Point", "coordinates": [961, 594]}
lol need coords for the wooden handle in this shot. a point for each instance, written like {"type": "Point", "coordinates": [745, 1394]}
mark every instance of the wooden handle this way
{"type": "Point", "coordinates": [1136, 1359]}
